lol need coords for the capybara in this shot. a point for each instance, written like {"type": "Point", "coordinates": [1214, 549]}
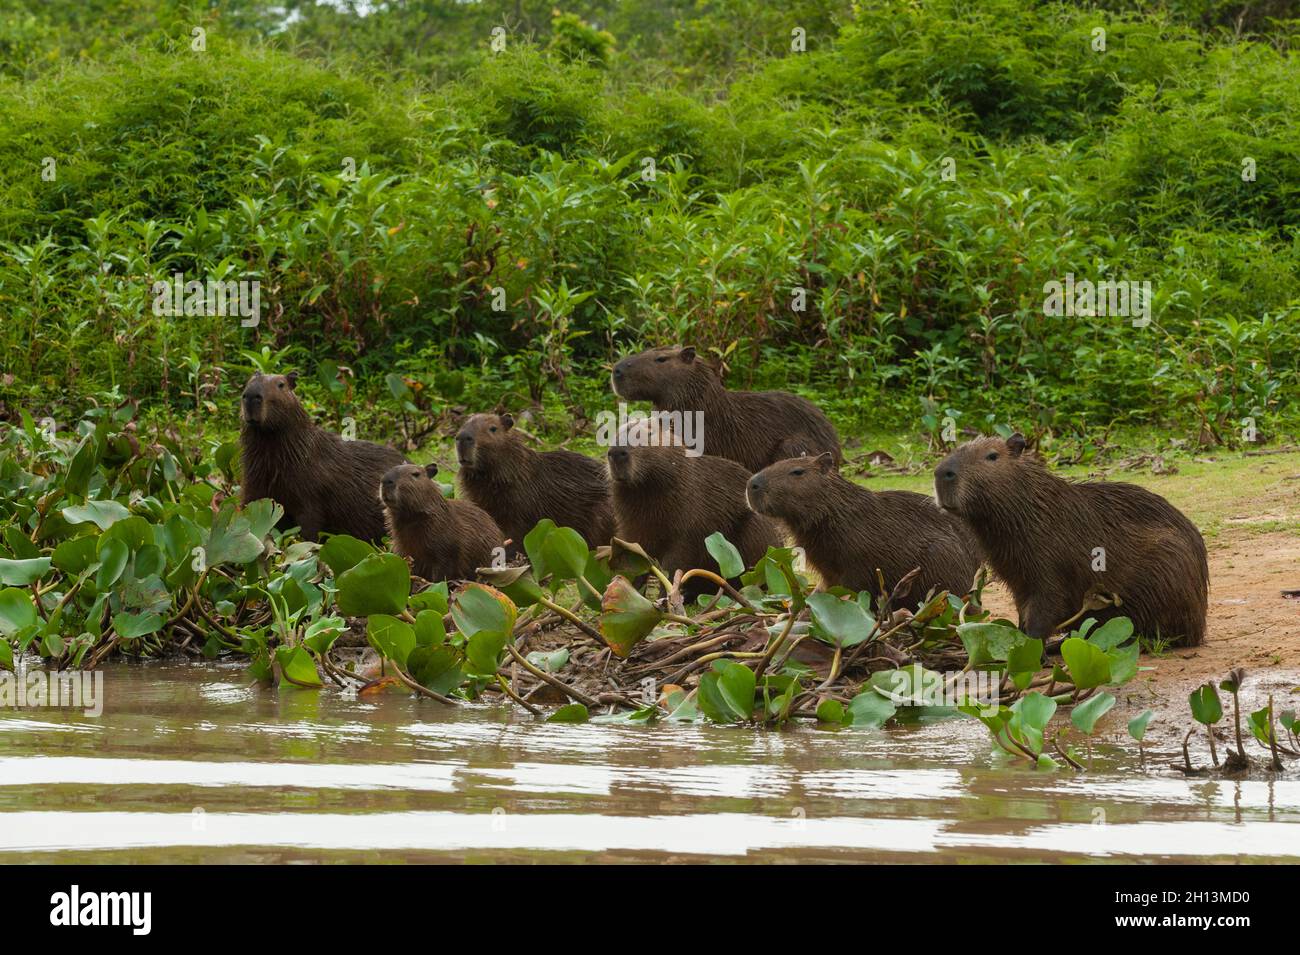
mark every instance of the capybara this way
{"type": "Point", "coordinates": [848, 532]}
{"type": "Point", "coordinates": [325, 484]}
{"type": "Point", "coordinates": [755, 428]}
{"type": "Point", "coordinates": [444, 540]}
{"type": "Point", "coordinates": [669, 502]}
{"type": "Point", "coordinates": [519, 486]}
{"type": "Point", "coordinates": [1049, 540]}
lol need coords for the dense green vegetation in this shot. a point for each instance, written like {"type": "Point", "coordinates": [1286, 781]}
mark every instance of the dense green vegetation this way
{"type": "Point", "coordinates": [921, 170]}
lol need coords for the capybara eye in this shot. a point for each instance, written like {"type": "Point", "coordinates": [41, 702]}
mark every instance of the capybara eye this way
{"type": "Point", "coordinates": [279, 384]}
{"type": "Point", "coordinates": [661, 359]}
{"type": "Point", "coordinates": [993, 456]}
{"type": "Point", "coordinates": [797, 472]}
{"type": "Point", "coordinates": [493, 429]}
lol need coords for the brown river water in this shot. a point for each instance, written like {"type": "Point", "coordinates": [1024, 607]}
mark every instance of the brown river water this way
{"type": "Point", "coordinates": [191, 763]}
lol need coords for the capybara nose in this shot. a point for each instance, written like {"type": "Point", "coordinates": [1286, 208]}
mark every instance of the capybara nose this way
{"type": "Point", "coordinates": [618, 454]}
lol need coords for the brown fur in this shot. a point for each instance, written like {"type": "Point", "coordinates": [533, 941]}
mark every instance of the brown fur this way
{"type": "Point", "coordinates": [755, 428]}
{"type": "Point", "coordinates": [444, 540]}
{"type": "Point", "coordinates": [1038, 532]}
{"type": "Point", "coordinates": [669, 503]}
{"type": "Point", "coordinates": [848, 532]}
{"type": "Point", "coordinates": [519, 486]}
{"type": "Point", "coordinates": [325, 484]}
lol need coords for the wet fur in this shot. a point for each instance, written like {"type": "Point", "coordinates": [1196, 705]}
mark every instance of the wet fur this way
{"type": "Point", "coordinates": [754, 428]}
{"type": "Point", "coordinates": [518, 486]}
{"type": "Point", "coordinates": [444, 540]}
{"type": "Point", "coordinates": [848, 532]}
{"type": "Point", "coordinates": [324, 484]}
{"type": "Point", "coordinates": [1039, 531]}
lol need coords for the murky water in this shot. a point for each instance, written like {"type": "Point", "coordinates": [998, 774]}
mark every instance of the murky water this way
{"type": "Point", "coordinates": [191, 763]}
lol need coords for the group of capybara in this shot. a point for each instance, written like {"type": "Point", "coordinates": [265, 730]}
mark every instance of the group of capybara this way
{"type": "Point", "coordinates": [769, 473]}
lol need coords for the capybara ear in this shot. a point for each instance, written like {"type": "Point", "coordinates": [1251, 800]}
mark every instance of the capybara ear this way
{"type": "Point", "coordinates": [687, 354]}
{"type": "Point", "coordinates": [292, 379]}
{"type": "Point", "coordinates": [507, 421]}
{"type": "Point", "coordinates": [431, 470]}
{"type": "Point", "coordinates": [1016, 444]}
{"type": "Point", "coordinates": [825, 461]}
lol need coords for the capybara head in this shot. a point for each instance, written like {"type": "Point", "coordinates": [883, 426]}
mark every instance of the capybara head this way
{"type": "Point", "coordinates": [639, 448]}
{"type": "Point", "coordinates": [981, 474]}
{"type": "Point", "coordinates": [659, 372]}
{"type": "Point", "coordinates": [410, 489]}
{"type": "Point", "coordinates": [480, 437]}
{"type": "Point", "coordinates": [791, 488]}
{"type": "Point", "coordinates": [269, 402]}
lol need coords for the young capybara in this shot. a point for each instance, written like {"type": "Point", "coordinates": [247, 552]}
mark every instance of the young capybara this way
{"type": "Point", "coordinates": [1054, 541]}
{"type": "Point", "coordinates": [519, 486]}
{"type": "Point", "coordinates": [324, 484]}
{"type": "Point", "coordinates": [755, 428]}
{"type": "Point", "coordinates": [444, 540]}
{"type": "Point", "coordinates": [669, 502]}
{"type": "Point", "coordinates": [848, 532]}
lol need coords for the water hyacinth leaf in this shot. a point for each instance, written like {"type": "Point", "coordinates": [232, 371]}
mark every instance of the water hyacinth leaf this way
{"type": "Point", "coordinates": [262, 515]}
{"type": "Point", "coordinates": [1085, 715]}
{"type": "Point", "coordinates": [628, 558]}
{"type": "Point", "coordinates": [113, 556]}
{"type": "Point", "coordinates": [564, 553]}
{"type": "Point", "coordinates": [131, 626]}
{"type": "Point", "coordinates": [231, 540]}
{"type": "Point", "coordinates": [479, 607]}
{"type": "Point", "coordinates": [1206, 707]}
{"type": "Point", "coordinates": [709, 700]}
{"type": "Point", "coordinates": [1112, 633]}
{"type": "Point", "coordinates": [572, 713]}
{"type": "Point", "coordinates": [517, 583]}
{"type": "Point", "coordinates": [436, 668]}
{"type": "Point", "coordinates": [730, 563]}
{"type": "Point", "coordinates": [135, 532]}
{"type": "Point", "coordinates": [297, 666]}
{"type": "Point", "coordinates": [533, 541]}
{"type": "Point", "coordinates": [839, 622]}
{"type": "Point", "coordinates": [6, 655]}
{"type": "Point", "coordinates": [1123, 663]}
{"type": "Point", "coordinates": [990, 642]}
{"type": "Point", "coordinates": [626, 616]}
{"type": "Point", "coordinates": [597, 576]}
{"type": "Point", "coordinates": [393, 639]}
{"type": "Point", "coordinates": [1086, 663]}
{"type": "Point", "coordinates": [103, 514]}
{"type": "Point", "coordinates": [483, 651]}
{"type": "Point", "coordinates": [75, 555]}
{"type": "Point", "coordinates": [321, 634]}
{"type": "Point", "coordinates": [20, 573]}
{"type": "Point", "coordinates": [870, 710]}
{"type": "Point", "coordinates": [1137, 727]}
{"type": "Point", "coordinates": [1260, 727]}
{"type": "Point", "coordinates": [380, 583]}
{"type": "Point", "coordinates": [736, 684]}
{"type": "Point", "coordinates": [1029, 718]}
{"type": "Point", "coordinates": [17, 612]}
{"type": "Point", "coordinates": [340, 553]}
{"type": "Point", "coordinates": [432, 598]}
{"type": "Point", "coordinates": [82, 467]}
{"type": "Point", "coordinates": [681, 707]}
{"type": "Point", "coordinates": [831, 711]}
{"type": "Point", "coordinates": [912, 685]}
{"type": "Point", "coordinates": [18, 543]}
{"type": "Point", "coordinates": [1023, 661]}
{"type": "Point", "coordinates": [552, 662]}
{"type": "Point", "coordinates": [647, 714]}
{"type": "Point", "coordinates": [429, 629]}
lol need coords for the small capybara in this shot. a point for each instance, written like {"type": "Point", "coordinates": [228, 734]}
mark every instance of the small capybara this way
{"type": "Point", "coordinates": [1049, 540]}
{"type": "Point", "coordinates": [519, 486]}
{"type": "Point", "coordinates": [848, 532]}
{"type": "Point", "coordinates": [669, 502]}
{"type": "Point", "coordinates": [755, 428]}
{"type": "Point", "coordinates": [325, 484]}
{"type": "Point", "coordinates": [444, 540]}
